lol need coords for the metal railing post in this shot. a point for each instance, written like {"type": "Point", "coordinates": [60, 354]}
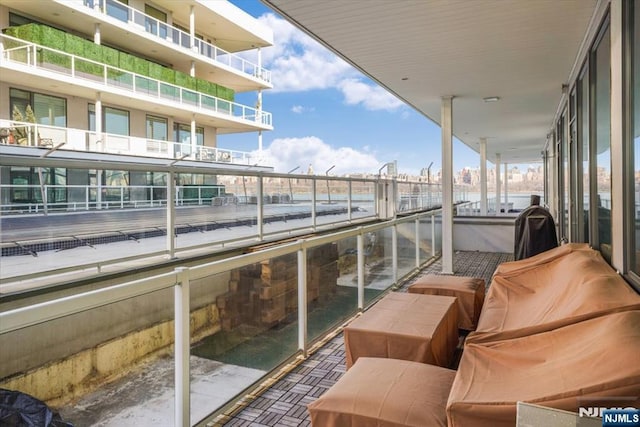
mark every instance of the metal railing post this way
{"type": "Point", "coordinates": [360, 243]}
{"type": "Point", "coordinates": [302, 300]}
{"type": "Point", "coordinates": [417, 242]}
{"type": "Point", "coordinates": [171, 211]}
{"type": "Point", "coordinates": [349, 200]}
{"type": "Point", "coordinates": [260, 218]}
{"type": "Point", "coordinates": [313, 204]}
{"type": "Point", "coordinates": [394, 253]}
{"type": "Point", "coordinates": [181, 348]}
{"type": "Point", "coordinates": [433, 235]}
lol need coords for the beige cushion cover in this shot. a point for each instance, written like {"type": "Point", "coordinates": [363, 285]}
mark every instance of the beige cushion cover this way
{"type": "Point", "coordinates": [385, 393]}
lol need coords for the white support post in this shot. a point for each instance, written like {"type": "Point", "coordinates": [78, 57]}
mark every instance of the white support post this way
{"type": "Point", "coordinates": [433, 236]}
{"type": "Point", "coordinates": [360, 243]}
{"type": "Point", "coordinates": [313, 204]}
{"type": "Point", "coordinates": [302, 300]}
{"type": "Point", "coordinates": [193, 136]}
{"type": "Point", "coordinates": [100, 139]}
{"type": "Point", "coordinates": [506, 189]}
{"type": "Point", "coordinates": [96, 34]}
{"type": "Point", "coordinates": [394, 253]}
{"type": "Point", "coordinates": [498, 191]}
{"type": "Point", "coordinates": [171, 213]}
{"type": "Point", "coordinates": [349, 201]}
{"type": "Point", "coordinates": [620, 99]}
{"type": "Point", "coordinates": [417, 242]}
{"type": "Point", "coordinates": [260, 218]}
{"type": "Point", "coordinates": [483, 176]}
{"type": "Point", "coordinates": [446, 124]}
{"type": "Point", "coordinates": [182, 348]}
{"type": "Point", "coordinates": [192, 27]}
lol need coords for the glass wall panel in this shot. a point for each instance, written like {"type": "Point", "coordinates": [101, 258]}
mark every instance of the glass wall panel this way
{"type": "Point", "coordinates": [331, 200]}
{"type": "Point", "coordinates": [332, 286]}
{"type": "Point", "coordinates": [602, 139]}
{"type": "Point", "coordinates": [584, 187]}
{"type": "Point", "coordinates": [407, 247]}
{"type": "Point", "coordinates": [363, 199]}
{"type": "Point", "coordinates": [635, 81]}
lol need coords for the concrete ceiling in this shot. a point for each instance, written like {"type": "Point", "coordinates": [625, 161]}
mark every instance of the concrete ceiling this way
{"type": "Point", "coordinates": [521, 51]}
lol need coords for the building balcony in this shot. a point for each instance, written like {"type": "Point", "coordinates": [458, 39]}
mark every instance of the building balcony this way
{"type": "Point", "coordinates": [122, 25]}
{"type": "Point", "coordinates": [23, 134]}
{"type": "Point", "coordinates": [57, 71]}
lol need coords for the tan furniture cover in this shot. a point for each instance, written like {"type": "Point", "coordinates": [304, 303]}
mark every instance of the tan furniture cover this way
{"type": "Point", "coordinates": [421, 328]}
{"type": "Point", "coordinates": [468, 290]}
{"type": "Point", "coordinates": [556, 288]}
{"type": "Point", "coordinates": [385, 393]}
{"type": "Point", "coordinates": [596, 358]}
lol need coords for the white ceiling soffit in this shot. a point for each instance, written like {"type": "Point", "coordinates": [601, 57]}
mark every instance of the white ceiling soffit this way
{"type": "Point", "coordinates": [521, 51]}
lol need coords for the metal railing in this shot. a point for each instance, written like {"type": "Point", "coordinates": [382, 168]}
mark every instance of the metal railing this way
{"type": "Point", "coordinates": [43, 58]}
{"type": "Point", "coordinates": [38, 135]}
{"type": "Point", "coordinates": [181, 280]}
{"type": "Point", "coordinates": [178, 37]}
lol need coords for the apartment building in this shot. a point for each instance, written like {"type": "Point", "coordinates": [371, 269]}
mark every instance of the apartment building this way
{"type": "Point", "coordinates": [134, 80]}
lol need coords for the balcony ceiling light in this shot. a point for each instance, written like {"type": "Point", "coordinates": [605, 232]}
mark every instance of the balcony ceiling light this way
{"type": "Point", "coordinates": [491, 99]}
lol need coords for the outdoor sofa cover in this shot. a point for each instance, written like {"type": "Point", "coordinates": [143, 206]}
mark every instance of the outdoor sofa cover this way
{"type": "Point", "coordinates": [594, 359]}
{"type": "Point", "coordinates": [556, 288]}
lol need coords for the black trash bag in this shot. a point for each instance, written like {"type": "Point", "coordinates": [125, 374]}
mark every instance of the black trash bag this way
{"type": "Point", "coordinates": [21, 410]}
{"type": "Point", "coordinates": [535, 231]}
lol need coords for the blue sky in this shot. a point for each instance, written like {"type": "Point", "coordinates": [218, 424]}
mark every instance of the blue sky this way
{"type": "Point", "coordinates": [327, 113]}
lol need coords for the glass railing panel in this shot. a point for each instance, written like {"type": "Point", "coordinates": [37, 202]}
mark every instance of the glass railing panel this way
{"type": "Point", "coordinates": [232, 346]}
{"type": "Point", "coordinates": [120, 79]}
{"type": "Point", "coordinates": [146, 86]}
{"type": "Point", "coordinates": [331, 201]}
{"type": "Point", "coordinates": [406, 232]}
{"type": "Point", "coordinates": [114, 366]}
{"type": "Point", "coordinates": [215, 209]}
{"type": "Point", "coordinates": [363, 199]}
{"type": "Point", "coordinates": [332, 286]}
{"type": "Point", "coordinates": [438, 238]}
{"type": "Point", "coordinates": [426, 240]}
{"type": "Point", "coordinates": [257, 310]}
{"type": "Point", "coordinates": [378, 262]}
{"type": "Point", "coordinates": [288, 205]}
{"type": "Point", "coordinates": [117, 10]}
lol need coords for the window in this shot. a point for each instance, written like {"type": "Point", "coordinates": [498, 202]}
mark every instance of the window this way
{"type": "Point", "coordinates": [583, 186]}
{"type": "Point", "coordinates": [118, 9]}
{"type": "Point", "coordinates": [114, 120]}
{"type": "Point", "coordinates": [601, 138]}
{"type": "Point", "coordinates": [182, 137]}
{"type": "Point", "coordinates": [47, 109]}
{"type": "Point", "coordinates": [157, 128]}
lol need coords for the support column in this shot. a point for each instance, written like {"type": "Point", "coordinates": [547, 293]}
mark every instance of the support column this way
{"type": "Point", "coordinates": [171, 214]}
{"type": "Point", "coordinates": [100, 139]}
{"type": "Point", "coordinates": [506, 184]}
{"type": "Point", "coordinates": [446, 125]}
{"type": "Point", "coordinates": [192, 69]}
{"type": "Point", "coordinates": [193, 138]}
{"type": "Point", "coordinates": [620, 102]}
{"type": "Point", "coordinates": [192, 27]}
{"type": "Point", "coordinates": [498, 195]}
{"type": "Point", "coordinates": [483, 176]}
{"type": "Point", "coordinates": [96, 34]}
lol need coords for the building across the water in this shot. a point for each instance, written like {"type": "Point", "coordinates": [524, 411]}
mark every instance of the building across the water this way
{"type": "Point", "coordinates": [130, 80]}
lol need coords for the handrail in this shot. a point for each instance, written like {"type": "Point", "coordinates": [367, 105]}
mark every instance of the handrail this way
{"type": "Point", "coordinates": [179, 37]}
{"type": "Point", "coordinates": [34, 56]}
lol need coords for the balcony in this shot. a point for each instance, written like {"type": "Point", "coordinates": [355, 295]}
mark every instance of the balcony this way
{"type": "Point", "coordinates": [89, 77]}
{"type": "Point", "coordinates": [155, 39]}
{"type": "Point", "coordinates": [54, 137]}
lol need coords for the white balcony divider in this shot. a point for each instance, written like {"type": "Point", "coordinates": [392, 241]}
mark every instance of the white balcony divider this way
{"type": "Point", "coordinates": [178, 37]}
{"type": "Point", "coordinates": [44, 58]}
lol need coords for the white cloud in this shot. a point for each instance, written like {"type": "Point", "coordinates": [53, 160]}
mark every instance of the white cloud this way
{"type": "Point", "coordinates": [299, 109]}
{"type": "Point", "coordinates": [371, 97]}
{"type": "Point", "coordinates": [287, 153]}
{"type": "Point", "coordinates": [298, 63]}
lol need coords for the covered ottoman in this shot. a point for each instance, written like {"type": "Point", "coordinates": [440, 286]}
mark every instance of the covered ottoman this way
{"type": "Point", "coordinates": [468, 290]}
{"type": "Point", "coordinates": [385, 393]}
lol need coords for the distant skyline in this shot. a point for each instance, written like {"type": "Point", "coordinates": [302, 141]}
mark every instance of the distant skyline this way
{"type": "Point", "coordinates": [327, 113]}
